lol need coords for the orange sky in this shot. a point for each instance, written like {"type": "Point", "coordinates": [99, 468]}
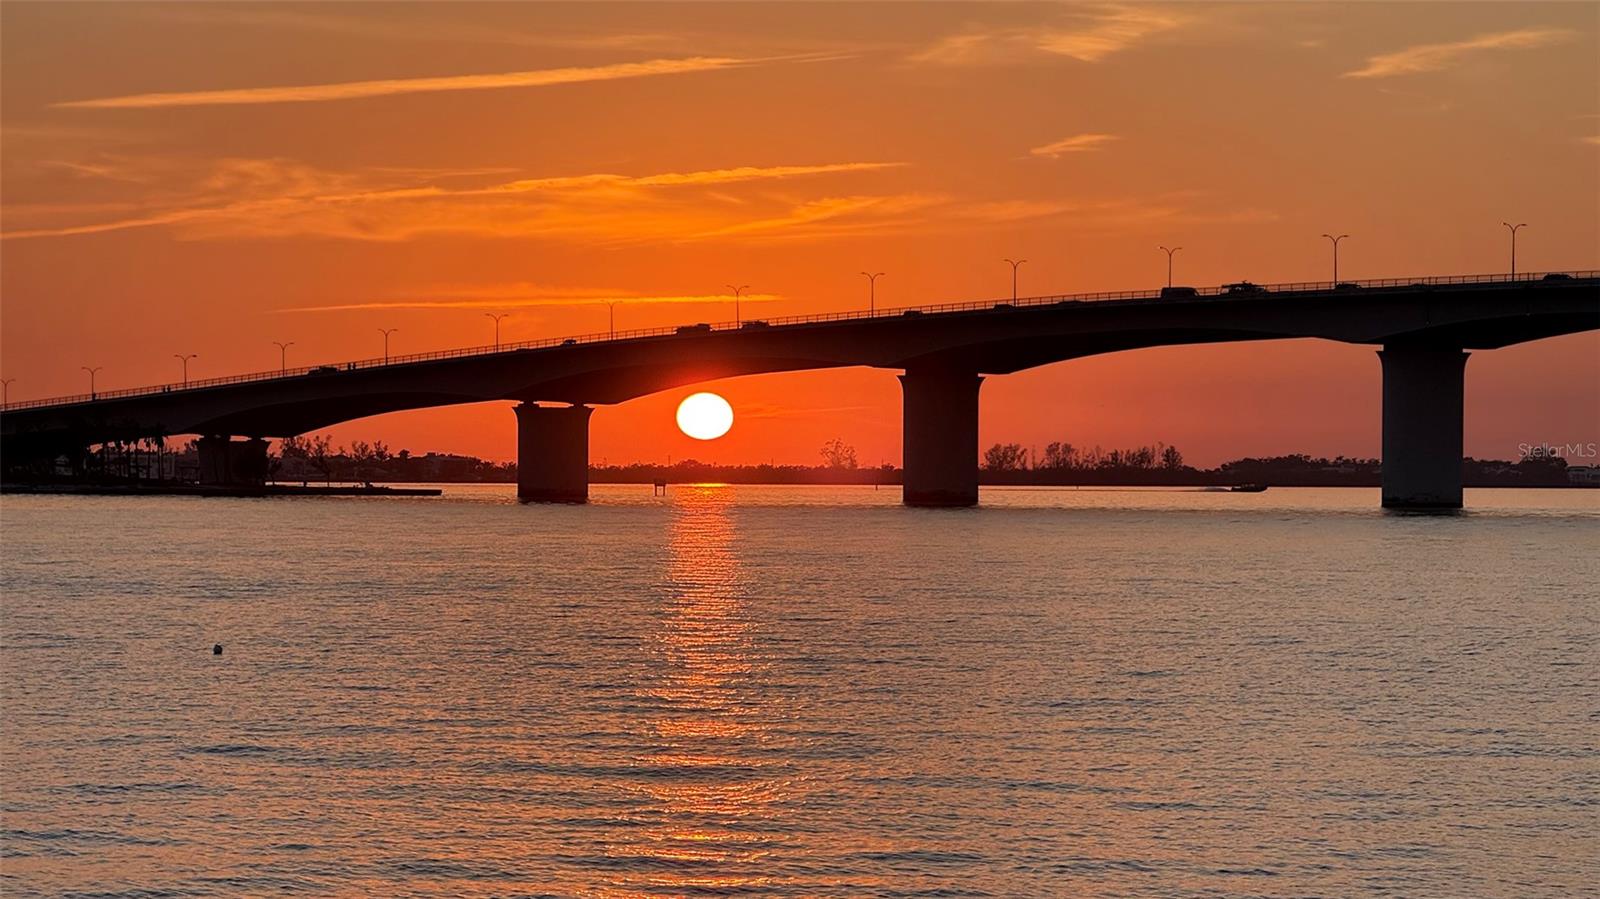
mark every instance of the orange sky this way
{"type": "Point", "coordinates": [210, 178]}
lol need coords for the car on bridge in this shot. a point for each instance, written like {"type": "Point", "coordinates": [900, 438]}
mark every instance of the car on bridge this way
{"type": "Point", "coordinates": [755, 323]}
{"type": "Point", "coordinates": [1346, 285]}
{"type": "Point", "coordinates": [1243, 288]}
{"type": "Point", "coordinates": [1173, 293]}
{"type": "Point", "coordinates": [701, 328]}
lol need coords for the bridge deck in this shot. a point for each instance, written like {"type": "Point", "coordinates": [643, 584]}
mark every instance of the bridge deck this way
{"type": "Point", "coordinates": [1301, 289]}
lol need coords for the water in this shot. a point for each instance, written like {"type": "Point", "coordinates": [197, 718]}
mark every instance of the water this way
{"type": "Point", "coordinates": [801, 691]}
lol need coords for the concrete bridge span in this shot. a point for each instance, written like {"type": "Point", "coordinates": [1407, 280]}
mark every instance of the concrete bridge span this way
{"type": "Point", "coordinates": [1424, 326]}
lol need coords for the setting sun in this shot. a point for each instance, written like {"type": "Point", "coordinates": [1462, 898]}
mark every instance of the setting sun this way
{"type": "Point", "coordinates": [705, 416]}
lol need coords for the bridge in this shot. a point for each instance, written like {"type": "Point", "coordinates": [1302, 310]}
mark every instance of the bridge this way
{"type": "Point", "coordinates": [1424, 326]}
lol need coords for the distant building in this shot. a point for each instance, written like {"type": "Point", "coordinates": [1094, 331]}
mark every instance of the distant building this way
{"type": "Point", "coordinates": [1588, 475]}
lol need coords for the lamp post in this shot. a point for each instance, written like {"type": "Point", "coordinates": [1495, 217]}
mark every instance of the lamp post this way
{"type": "Point", "coordinates": [737, 292]}
{"type": "Point", "coordinates": [91, 372]}
{"type": "Point", "coordinates": [1513, 229]}
{"type": "Point", "coordinates": [1014, 266]}
{"type": "Point", "coordinates": [5, 390]}
{"type": "Point", "coordinates": [1335, 242]}
{"type": "Point", "coordinates": [872, 292]}
{"type": "Point", "coordinates": [283, 356]}
{"type": "Point", "coordinates": [386, 332]}
{"type": "Point", "coordinates": [184, 359]}
{"type": "Point", "coordinates": [611, 319]}
{"type": "Point", "coordinates": [1169, 251]}
{"type": "Point", "coordinates": [497, 317]}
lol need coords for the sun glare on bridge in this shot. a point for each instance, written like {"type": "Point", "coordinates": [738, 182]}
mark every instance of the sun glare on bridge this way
{"type": "Point", "coordinates": [705, 416]}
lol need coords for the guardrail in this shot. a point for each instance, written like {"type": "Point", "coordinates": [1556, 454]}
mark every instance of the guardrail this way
{"type": "Point", "coordinates": [1290, 288]}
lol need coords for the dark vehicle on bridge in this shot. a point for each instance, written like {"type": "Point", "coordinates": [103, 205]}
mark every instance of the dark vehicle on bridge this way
{"type": "Point", "coordinates": [911, 313]}
{"type": "Point", "coordinates": [1346, 285]}
{"type": "Point", "coordinates": [1173, 293]}
{"type": "Point", "coordinates": [755, 323]}
{"type": "Point", "coordinates": [324, 370]}
{"type": "Point", "coordinates": [570, 341]}
{"type": "Point", "coordinates": [1244, 289]}
{"type": "Point", "coordinates": [1558, 276]}
{"type": "Point", "coordinates": [700, 328]}
{"type": "Point", "coordinates": [1002, 306]}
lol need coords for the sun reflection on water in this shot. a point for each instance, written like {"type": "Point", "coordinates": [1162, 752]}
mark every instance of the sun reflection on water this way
{"type": "Point", "coordinates": [706, 819]}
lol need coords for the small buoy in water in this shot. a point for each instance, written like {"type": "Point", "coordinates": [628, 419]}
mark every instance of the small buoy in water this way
{"type": "Point", "coordinates": [216, 649]}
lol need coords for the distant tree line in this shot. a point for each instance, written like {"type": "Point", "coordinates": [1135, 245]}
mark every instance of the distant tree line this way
{"type": "Point", "coordinates": [315, 458]}
{"type": "Point", "coordinates": [1066, 457]}
{"type": "Point", "coordinates": [1060, 463]}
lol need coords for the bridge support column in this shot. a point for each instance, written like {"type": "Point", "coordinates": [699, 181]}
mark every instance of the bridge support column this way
{"type": "Point", "coordinates": [229, 462]}
{"type": "Point", "coordinates": [1423, 392]}
{"type": "Point", "coordinates": [940, 407]}
{"type": "Point", "coordinates": [552, 453]}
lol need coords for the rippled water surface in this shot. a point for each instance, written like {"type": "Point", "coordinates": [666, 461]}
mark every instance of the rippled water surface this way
{"type": "Point", "coordinates": [801, 691]}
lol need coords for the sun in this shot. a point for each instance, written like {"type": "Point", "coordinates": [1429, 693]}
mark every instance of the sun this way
{"type": "Point", "coordinates": [704, 416]}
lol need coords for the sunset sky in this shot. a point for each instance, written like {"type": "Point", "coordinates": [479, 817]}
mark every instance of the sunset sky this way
{"type": "Point", "coordinates": [198, 178]}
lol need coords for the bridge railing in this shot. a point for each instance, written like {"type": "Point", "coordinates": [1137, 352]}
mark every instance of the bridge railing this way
{"type": "Point", "coordinates": [1157, 295]}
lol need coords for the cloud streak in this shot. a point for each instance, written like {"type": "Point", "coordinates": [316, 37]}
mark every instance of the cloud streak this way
{"type": "Point", "coordinates": [575, 297]}
{"type": "Point", "coordinates": [355, 90]}
{"type": "Point", "coordinates": [278, 198]}
{"type": "Point", "coordinates": [1098, 34]}
{"type": "Point", "coordinates": [1078, 143]}
{"type": "Point", "coordinates": [1434, 57]}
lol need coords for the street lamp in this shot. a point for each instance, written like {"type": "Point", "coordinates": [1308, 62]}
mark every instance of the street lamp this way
{"type": "Point", "coordinates": [184, 358]}
{"type": "Point", "coordinates": [1335, 241]}
{"type": "Point", "coordinates": [91, 372]}
{"type": "Point", "coordinates": [1513, 229]}
{"type": "Point", "coordinates": [497, 317]}
{"type": "Point", "coordinates": [1014, 266]}
{"type": "Point", "coordinates": [737, 292]}
{"type": "Point", "coordinates": [5, 390]}
{"type": "Point", "coordinates": [872, 292]}
{"type": "Point", "coordinates": [1169, 251]}
{"type": "Point", "coordinates": [283, 356]}
{"type": "Point", "coordinates": [611, 319]}
{"type": "Point", "coordinates": [386, 332]}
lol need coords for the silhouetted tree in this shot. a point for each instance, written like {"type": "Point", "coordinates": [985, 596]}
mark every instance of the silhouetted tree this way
{"type": "Point", "coordinates": [1171, 459]}
{"type": "Point", "coordinates": [838, 454]}
{"type": "Point", "coordinates": [319, 452]}
{"type": "Point", "coordinates": [1005, 457]}
{"type": "Point", "coordinates": [1060, 455]}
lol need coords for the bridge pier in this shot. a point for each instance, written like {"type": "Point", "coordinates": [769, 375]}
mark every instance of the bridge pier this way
{"type": "Point", "coordinates": [1423, 393]}
{"type": "Point", "coordinates": [228, 462]}
{"type": "Point", "coordinates": [940, 409]}
{"type": "Point", "coordinates": [553, 453]}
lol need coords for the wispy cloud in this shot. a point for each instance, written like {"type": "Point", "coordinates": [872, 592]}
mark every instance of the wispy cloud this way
{"type": "Point", "coordinates": [416, 25]}
{"type": "Point", "coordinates": [352, 90]}
{"type": "Point", "coordinates": [1433, 57]}
{"type": "Point", "coordinates": [536, 297]}
{"type": "Point", "coordinates": [1111, 30]}
{"type": "Point", "coordinates": [1090, 36]}
{"type": "Point", "coordinates": [1591, 140]}
{"type": "Point", "coordinates": [280, 198]}
{"type": "Point", "coordinates": [1078, 143]}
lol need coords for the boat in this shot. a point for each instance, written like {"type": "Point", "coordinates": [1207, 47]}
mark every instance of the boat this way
{"type": "Point", "coordinates": [1248, 488]}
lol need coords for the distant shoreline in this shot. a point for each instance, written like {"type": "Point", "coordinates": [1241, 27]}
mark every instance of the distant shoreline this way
{"type": "Point", "coordinates": [983, 481]}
